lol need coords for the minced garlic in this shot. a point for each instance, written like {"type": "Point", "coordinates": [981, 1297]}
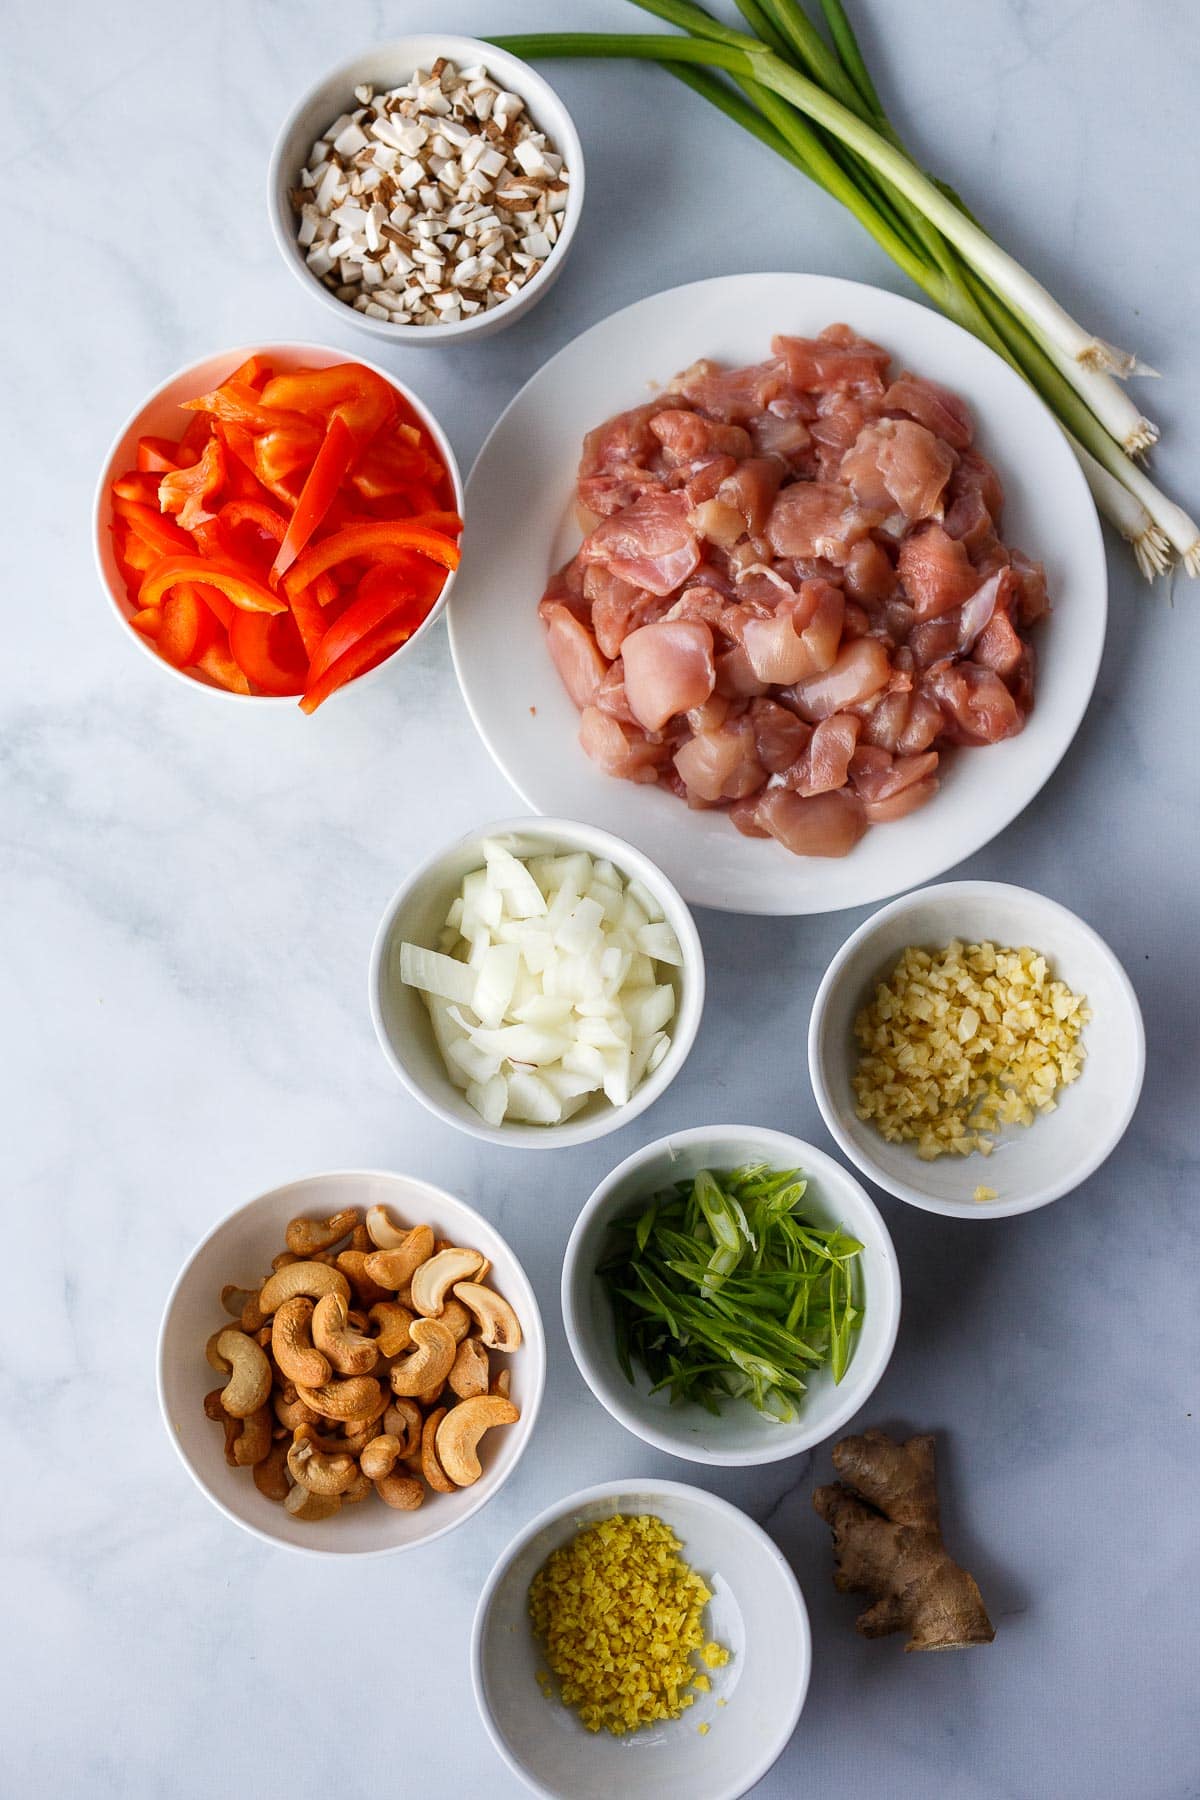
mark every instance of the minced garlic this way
{"type": "Point", "coordinates": [620, 1614]}
{"type": "Point", "coordinates": [964, 1041]}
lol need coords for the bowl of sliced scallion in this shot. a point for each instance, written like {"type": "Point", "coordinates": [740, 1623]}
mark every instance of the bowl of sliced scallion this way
{"type": "Point", "coordinates": [731, 1295]}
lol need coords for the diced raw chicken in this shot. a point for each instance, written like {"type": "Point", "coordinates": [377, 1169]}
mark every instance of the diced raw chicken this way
{"type": "Point", "coordinates": [936, 572]}
{"type": "Point", "coordinates": [668, 669]}
{"type": "Point", "coordinates": [818, 518]}
{"type": "Point", "coordinates": [650, 544]}
{"type": "Point", "coordinates": [722, 764]}
{"type": "Point", "coordinates": [574, 653]}
{"type": "Point", "coordinates": [896, 463]}
{"type": "Point", "coordinates": [825, 763]}
{"type": "Point", "coordinates": [825, 825]}
{"type": "Point", "coordinates": [837, 359]}
{"type": "Point", "coordinates": [793, 592]}
{"type": "Point", "coordinates": [933, 406]}
{"type": "Point", "coordinates": [860, 670]}
{"type": "Point", "coordinates": [620, 750]}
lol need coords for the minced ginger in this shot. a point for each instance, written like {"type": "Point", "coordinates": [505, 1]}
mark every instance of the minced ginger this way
{"type": "Point", "coordinates": [621, 1614]}
{"type": "Point", "coordinates": [963, 1041]}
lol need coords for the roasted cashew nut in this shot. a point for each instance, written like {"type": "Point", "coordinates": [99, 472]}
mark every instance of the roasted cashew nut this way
{"type": "Point", "coordinates": [361, 1398]}
{"type": "Point", "coordinates": [382, 1232]}
{"type": "Point", "coordinates": [354, 1266]}
{"type": "Point", "coordinates": [457, 1320]}
{"type": "Point", "coordinates": [306, 1236]}
{"type": "Point", "coordinates": [391, 1322]}
{"type": "Point", "coordinates": [292, 1343]}
{"type": "Point", "coordinates": [394, 1269]}
{"type": "Point", "coordinates": [471, 1370]}
{"type": "Point", "coordinates": [433, 1280]}
{"type": "Point", "coordinates": [271, 1475]}
{"type": "Point", "coordinates": [249, 1385]}
{"type": "Point", "coordinates": [358, 1490]}
{"type": "Point", "coordinates": [234, 1299]}
{"type": "Point", "coordinates": [420, 1374]}
{"type": "Point", "coordinates": [460, 1432]}
{"type": "Point", "coordinates": [403, 1420]}
{"type": "Point", "coordinates": [291, 1411]}
{"type": "Point", "coordinates": [499, 1327]}
{"type": "Point", "coordinates": [502, 1384]}
{"type": "Point", "coordinates": [253, 1442]}
{"type": "Point", "coordinates": [404, 1492]}
{"type": "Point", "coordinates": [320, 1471]}
{"type": "Point", "coordinates": [311, 1278]}
{"type": "Point", "coordinates": [349, 1352]}
{"type": "Point", "coordinates": [301, 1503]}
{"type": "Point", "coordinates": [380, 1457]}
{"type": "Point", "coordinates": [431, 1467]}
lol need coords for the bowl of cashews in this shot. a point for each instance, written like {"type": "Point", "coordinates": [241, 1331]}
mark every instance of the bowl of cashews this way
{"type": "Point", "coordinates": [351, 1364]}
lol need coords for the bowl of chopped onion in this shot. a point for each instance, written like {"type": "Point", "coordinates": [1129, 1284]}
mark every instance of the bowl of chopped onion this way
{"type": "Point", "coordinates": [428, 190]}
{"type": "Point", "coordinates": [976, 1049]}
{"type": "Point", "coordinates": [538, 983]}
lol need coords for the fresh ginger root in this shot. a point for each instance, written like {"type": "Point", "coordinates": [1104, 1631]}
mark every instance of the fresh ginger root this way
{"type": "Point", "coordinates": [887, 1541]}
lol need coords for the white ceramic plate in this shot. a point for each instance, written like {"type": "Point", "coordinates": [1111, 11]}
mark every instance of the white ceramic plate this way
{"type": "Point", "coordinates": [519, 508]}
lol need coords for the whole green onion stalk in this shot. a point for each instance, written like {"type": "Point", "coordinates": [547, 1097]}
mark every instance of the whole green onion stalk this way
{"type": "Point", "coordinates": [811, 99]}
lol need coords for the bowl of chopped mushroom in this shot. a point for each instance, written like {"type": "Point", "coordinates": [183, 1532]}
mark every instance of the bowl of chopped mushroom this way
{"type": "Point", "coordinates": [431, 188]}
{"type": "Point", "coordinates": [351, 1364]}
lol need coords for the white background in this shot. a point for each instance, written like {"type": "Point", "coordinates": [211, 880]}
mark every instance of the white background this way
{"type": "Point", "coordinates": [190, 892]}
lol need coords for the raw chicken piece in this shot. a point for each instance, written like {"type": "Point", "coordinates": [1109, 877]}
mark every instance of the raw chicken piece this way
{"type": "Point", "coordinates": [604, 495]}
{"type": "Point", "coordinates": [786, 439]}
{"type": "Point", "coordinates": [998, 647]}
{"type": "Point", "coordinates": [869, 574]}
{"type": "Point", "coordinates": [933, 406]}
{"type": "Point", "coordinates": [837, 359]}
{"type": "Point", "coordinates": [825, 764]}
{"type": "Point", "coordinates": [744, 815]}
{"type": "Point", "coordinates": [620, 750]}
{"type": "Point", "coordinates": [779, 735]}
{"type": "Point", "coordinates": [722, 764]}
{"type": "Point", "coordinates": [800, 638]}
{"type": "Point", "coordinates": [574, 653]}
{"type": "Point", "coordinates": [623, 442]}
{"type": "Point", "coordinates": [825, 825]}
{"type": "Point", "coordinates": [668, 668]}
{"type": "Point", "coordinates": [735, 677]}
{"type": "Point", "coordinates": [818, 518]}
{"type": "Point", "coordinates": [974, 502]}
{"type": "Point", "coordinates": [898, 806]}
{"type": "Point", "coordinates": [751, 491]}
{"type": "Point", "coordinates": [733, 395]}
{"type": "Point", "coordinates": [976, 706]}
{"type": "Point", "coordinates": [611, 697]}
{"type": "Point", "coordinates": [1033, 602]}
{"type": "Point", "coordinates": [687, 436]}
{"type": "Point", "coordinates": [860, 670]}
{"type": "Point", "coordinates": [650, 544]}
{"type": "Point", "coordinates": [936, 572]}
{"type": "Point", "coordinates": [618, 607]}
{"type": "Point", "coordinates": [875, 775]}
{"type": "Point", "coordinates": [895, 463]}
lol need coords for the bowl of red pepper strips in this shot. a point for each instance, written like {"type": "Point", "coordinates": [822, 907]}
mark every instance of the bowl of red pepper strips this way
{"type": "Point", "coordinates": [276, 524]}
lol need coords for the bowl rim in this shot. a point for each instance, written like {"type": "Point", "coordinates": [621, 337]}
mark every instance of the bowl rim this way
{"type": "Point", "coordinates": [815, 1162]}
{"type": "Point", "coordinates": [534, 89]}
{"type": "Point", "coordinates": [854, 1148]}
{"type": "Point", "coordinates": [521, 1136]}
{"type": "Point", "coordinates": [533, 1336]}
{"type": "Point", "coordinates": [239, 353]}
{"type": "Point", "coordinates": [651, 1485]}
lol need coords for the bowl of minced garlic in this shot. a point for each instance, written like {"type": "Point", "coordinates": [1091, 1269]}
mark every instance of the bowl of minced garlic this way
{"type": "Point", "coordinates": [976, 1049]}
{"type": "Point", "coordinates": [646, 1616]}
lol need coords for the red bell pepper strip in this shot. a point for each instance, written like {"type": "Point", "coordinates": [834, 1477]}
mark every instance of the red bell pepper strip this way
{"type": "Point", "coordinates": [252, 372]}
{"type": "Point", "coordinates": [136, 485]}
{"type": "Point", "coordinates": [393, 464]}
{"type": "Point", "coordinates": [162, 535]}
{"type": "Point", "coordinates": [369, 650]}
{"type": "Point", "coordinates": [393, 600]}
{"type": "Point", "coordinates": [188, 627]}
{"type": "Point", "coordinates": [374, 539]}
{"type": "Point", "coordinates": [217, 603]}
{"type": "Point", "coordinates": [155, 455]}
{"type": "Point", "coordinates": [237, 403]}
{"type": "Point", "coordinates": [356, 395]}
{"type": "Point", "coordinates": [222, 671]}
{"type": "Point", "coordinates": [316, 496]}
{"type": "Point", "coordinates": [283, 450]}
{"type": "Point", "coordinates": [269, 652]}
{"type": "Point", "coordinates": [236, 584]}
{"type": "Point", "coordinates": [191, 444]}
{"type": "Point", "coordinates": [187, 492]}
{"type": "Point", "coordinates": [148, 621]}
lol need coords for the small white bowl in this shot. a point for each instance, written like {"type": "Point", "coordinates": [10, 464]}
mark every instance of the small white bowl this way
{"type": "Point", "coordinates": [162, 415]}
{"type": "Point", "coordinates": [757, 1612]}
{"type": "Point", "coordinates": [1029, 1166]}
{"type": "Point", "coordinates": [739, 1435]}
{"type": "Point", "coordinates": [417, 913]}
{"type": "Point", "coordinates": [386, 66]}
{"type": "Point", "coordinates": [239, 1251]}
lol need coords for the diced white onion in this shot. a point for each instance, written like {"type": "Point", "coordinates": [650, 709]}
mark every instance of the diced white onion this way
{"type": "Point", "coordinates": [552, 987]}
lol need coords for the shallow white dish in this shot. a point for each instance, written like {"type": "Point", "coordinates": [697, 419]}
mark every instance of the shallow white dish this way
{"type": "Point", "coordinates": [757, 1612]}
{"type": "Point", "coordinates": [417, 912]}
{"type": "Point", "coordinates": [385, 66]}
{"type": "Point", "coordinates": [161, 414]}
{"type": "Point", "coordinates": [1029, 1166]}
{"type": "Point", "coordinates": [739, 1436]}
{"type": "Point", "coordinates": [526, 471]}
{"type": "Point", "coordinates": [239, 1250]}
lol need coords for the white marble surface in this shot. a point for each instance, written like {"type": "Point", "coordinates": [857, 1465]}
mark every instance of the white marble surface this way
{"type": "Point", "coordinates": [189, 897]}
